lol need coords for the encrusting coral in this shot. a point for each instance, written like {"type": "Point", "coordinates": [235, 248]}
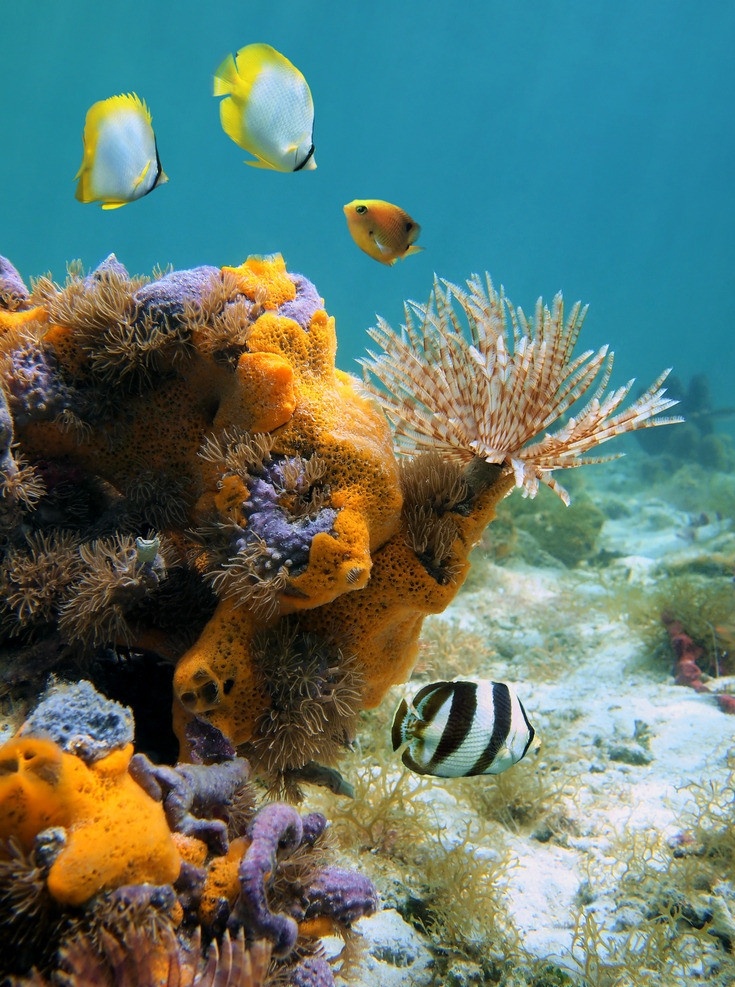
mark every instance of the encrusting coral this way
{"type": "Point", "coordinates": [117, 870]}
{"type": "Point", "coordinates": [192, 432]}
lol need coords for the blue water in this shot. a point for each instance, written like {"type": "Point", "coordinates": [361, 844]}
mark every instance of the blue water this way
{"type": "Point", "coordinates": [587, 146]}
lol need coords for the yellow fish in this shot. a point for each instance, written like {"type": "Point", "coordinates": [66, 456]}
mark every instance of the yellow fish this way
{"type": "Point", "coordinates": [382, 230]}
{"type": "Point", "coordinates": [120, 162]}
{"type": "Point", "coordinates": [268, 109]}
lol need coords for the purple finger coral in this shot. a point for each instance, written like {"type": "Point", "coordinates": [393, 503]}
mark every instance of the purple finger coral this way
{"type": "Point", "coordinates": [277, 830]}
{"type": "Point", "coordinates": [342, 895]}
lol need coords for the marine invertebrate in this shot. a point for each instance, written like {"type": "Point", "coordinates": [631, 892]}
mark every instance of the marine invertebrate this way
{"type": "Point", "coordinates": [687, 671]}
{"type": "Point", "coordinates": [117, 575]}
{"type": "Point", "coordinates": [315, 693]}
{"type": "Point", "coordinates": [35, 578]}
{"type": "Point", "coordinates": [331, 898]}
{"type": "Point", "coordinates": [491, 395]}
{"type": "Point", "coordinates": [42, 786]}
{"type": "Point", "coordinates": [191, 793]}
{"type": "Point", "coordinates": [139, 959]}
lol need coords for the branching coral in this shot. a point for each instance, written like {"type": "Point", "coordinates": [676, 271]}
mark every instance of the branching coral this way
{"type": "Point", "coordinates": [492, 395]}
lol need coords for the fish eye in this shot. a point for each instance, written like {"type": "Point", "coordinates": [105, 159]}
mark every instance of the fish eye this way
{"type": "Point", "coordinates": [360, 209]}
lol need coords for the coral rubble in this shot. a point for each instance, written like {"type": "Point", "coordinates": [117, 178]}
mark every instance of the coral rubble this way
{"type": "Point", "coordinates": [187, 476]}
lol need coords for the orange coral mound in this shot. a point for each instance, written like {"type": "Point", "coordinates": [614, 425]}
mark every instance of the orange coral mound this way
{"type": "Point", "coordinates": [115, 833]}
{"type": "Point", "coordinates": [286, 475]}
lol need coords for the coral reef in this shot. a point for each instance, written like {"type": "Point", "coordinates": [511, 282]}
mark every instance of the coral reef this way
{"type": "Point", "coordinates": [118, 871]}
{"type": "Point", "coordinates": [202, 486]}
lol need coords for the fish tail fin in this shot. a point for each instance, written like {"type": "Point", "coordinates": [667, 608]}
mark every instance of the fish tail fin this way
{"type": "Point", "coordinates": [226, 78]}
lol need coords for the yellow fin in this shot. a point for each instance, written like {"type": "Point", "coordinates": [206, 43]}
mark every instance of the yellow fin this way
{"type": "Point", "coordinates": [113, 205]}
{"type": "Point", "coordinates": [413, 249]}
{"type": "Point", "coordinates": [225, 77]}
{"type": "Point", "coordinates": [142, 175]}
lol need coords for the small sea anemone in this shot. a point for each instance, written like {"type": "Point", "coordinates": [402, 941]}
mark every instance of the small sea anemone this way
{"type": "Point", "coordinates": [315, 693]}
{"type": "Point", "coordinates": [30, 918]}
{"type": "Point", "coordinates": [115, 580]}
{"type": "Point", "coordinates": [433, 488]}
{"type": "Point", "coordinates": [36, 580]}
{"type": "Point", "coordinates": [491, 395]}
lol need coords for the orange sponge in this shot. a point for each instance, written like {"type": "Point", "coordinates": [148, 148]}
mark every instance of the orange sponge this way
{"type": "Point", "coordinates": [115, 833]}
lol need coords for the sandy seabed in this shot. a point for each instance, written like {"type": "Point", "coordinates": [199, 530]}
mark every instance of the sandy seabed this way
{"type": "Point", "coordinates": [593, 881]}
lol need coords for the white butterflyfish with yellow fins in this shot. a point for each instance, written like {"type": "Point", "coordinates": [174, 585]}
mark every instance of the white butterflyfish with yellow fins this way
{"type": "Point", "coordinates": [465, 727]}
{"type": "Point", "coordinates": [267, 109]}
{"type": "Point", "coordinates": [120, 162]}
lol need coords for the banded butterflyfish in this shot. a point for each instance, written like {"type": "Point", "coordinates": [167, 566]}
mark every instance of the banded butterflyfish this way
{"type": "Point", "coordinates": [460, 728]}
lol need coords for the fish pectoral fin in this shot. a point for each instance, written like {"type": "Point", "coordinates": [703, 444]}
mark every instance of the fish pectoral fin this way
{"type": "Point", "coordinates": [413, 249]}
{"type": "Point", "coordinates": [379, 243]}
{"type": "Point", "coordinates": [141, 176]}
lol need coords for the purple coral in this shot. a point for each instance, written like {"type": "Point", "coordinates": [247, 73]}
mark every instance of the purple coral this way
{"type": "Point", "coordinates": [312, 971]}
{"type": "Point", "coordinates": [307, 301]}
{"type": "Point", "coordinates": [36, 389]}
{"type": "Point", "coordinates": [13, 292]}
{"type": "Point", "coordinates": [288, 538]}
{"type": "Point", "coordinates": [342, 895]}
{"type": "Point", "coordinates": [164, 300]}
{"type": "Point", "coordinates": [81, 721]}
{"type": "Point", "coordinates": [191, 792]}
{"type": "Point", "coordinates": [276, 829]}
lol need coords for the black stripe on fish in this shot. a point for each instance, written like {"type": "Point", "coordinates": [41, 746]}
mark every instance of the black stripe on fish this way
{"type": "Point", "coordinates": [396, 734]}
{"type": "Point", "coordinates": [531, 731]}
{"type": "Point", "coordinates": [303, 163]}
{"type": "Point", "coordinates": [413, 765]}
{"type": "Point", "coordinates": [459, 723]}
{"type": "Point", "coordinates": [503, 711]}
{"type": "Point", "coordinates": [428, 701]}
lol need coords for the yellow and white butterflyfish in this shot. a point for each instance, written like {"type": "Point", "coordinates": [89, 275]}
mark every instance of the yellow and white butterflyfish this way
{"type": "Point", "coordinates": [120, 162]}
{"type": "Point", "coordinates": [383, 231]}
{"type": "Point", "coordinates": [267, 109]}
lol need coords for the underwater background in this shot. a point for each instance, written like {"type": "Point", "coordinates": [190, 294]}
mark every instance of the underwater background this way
{"type": "Point", "coordinates": [579, 146]}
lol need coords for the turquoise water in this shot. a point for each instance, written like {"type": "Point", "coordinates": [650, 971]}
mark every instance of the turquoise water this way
{"type": "Point", "coordinates": [585, 146]}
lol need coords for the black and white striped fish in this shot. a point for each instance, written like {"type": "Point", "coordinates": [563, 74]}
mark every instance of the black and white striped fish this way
{"type": "Point", "coordinates": [455, 729]}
